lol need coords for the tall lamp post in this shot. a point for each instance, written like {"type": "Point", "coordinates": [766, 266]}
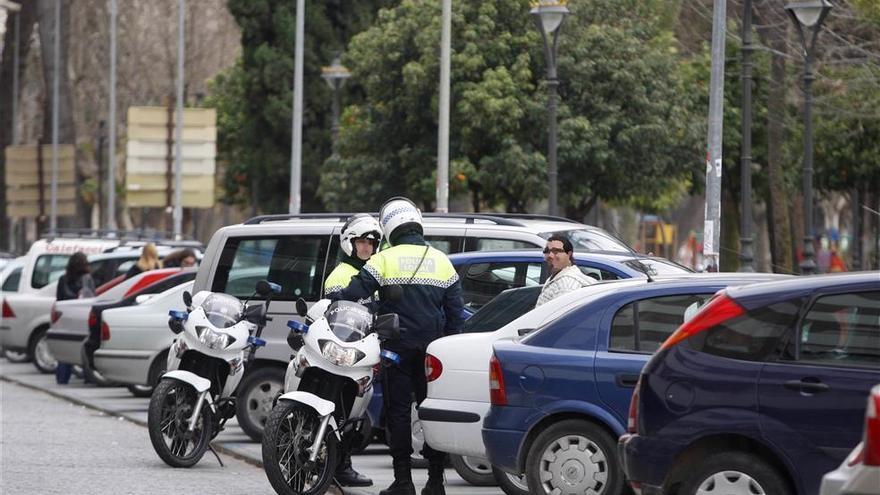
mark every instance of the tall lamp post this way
{"type": "Point", "coordinates": [335, 76]}
{"type": "Point", "coordinates": [808, 17]}
{"type": "Point", "coordinates": [746, 258]}
{"type": "Point", "coordinates": [548, 15]}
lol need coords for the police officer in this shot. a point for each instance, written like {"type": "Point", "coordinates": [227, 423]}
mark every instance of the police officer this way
{"type": "Point", "coordinates": [358, 241]}
{"type": "Point", "coordinates": [431, 307]}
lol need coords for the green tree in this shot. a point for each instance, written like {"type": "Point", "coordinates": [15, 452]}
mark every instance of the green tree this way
{"type": "Point", "coordinates": [254, 97]}
{"type": "Point", "coordinates": [626, 124]}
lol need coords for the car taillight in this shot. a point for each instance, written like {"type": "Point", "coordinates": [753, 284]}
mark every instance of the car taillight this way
{"type": "Point", "coordinates": [93, 318]}
{"type": "Point", "coordinates": [632, 422]}
{"type": "Point", "coordinates": [433, 368]}
{"type": "Point", "coordinates": [718, 310]}
{"type": "Point", "coordinates": [871, 444]}
{"type": "Point", "coordinates": [54, 315]}
{"type": "Point", "coordinates": [7, 310]}
{"type": "Point", "coordinates": [497, 394]}
{"type": "Point", "coordinates": [105, 331]}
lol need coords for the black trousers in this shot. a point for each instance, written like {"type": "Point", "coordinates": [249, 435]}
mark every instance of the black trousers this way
{"type": "Point", "coordinates": [404, 382]}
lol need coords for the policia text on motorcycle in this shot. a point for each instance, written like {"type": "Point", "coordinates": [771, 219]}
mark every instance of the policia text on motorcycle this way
{"type": "Point", "coordinates": [431, 307]}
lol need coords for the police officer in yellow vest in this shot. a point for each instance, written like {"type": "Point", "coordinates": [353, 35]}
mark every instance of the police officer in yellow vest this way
{"type": "Point", "coordinates": [431, 307]}
{"type": "Point", "coordinates": [358, 241]}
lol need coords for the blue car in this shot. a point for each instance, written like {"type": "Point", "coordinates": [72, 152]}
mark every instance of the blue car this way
{"type": "Point", "coordinates": [560, 396]}
{"type": "Point", "coordinates": [485, 274]}
{"type": "Point", "coordinates": [763, 391]}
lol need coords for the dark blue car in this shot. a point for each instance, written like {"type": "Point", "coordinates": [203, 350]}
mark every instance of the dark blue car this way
{"type": "Point", "coordinates": [560, 396]}
{"type": "Point", "coordinates": [762, 392]}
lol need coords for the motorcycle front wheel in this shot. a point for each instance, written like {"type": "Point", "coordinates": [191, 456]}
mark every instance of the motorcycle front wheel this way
{"type": "Point", "coordinates": [171, 406]}
{"type": "Point", "coordinates": [290, 432]}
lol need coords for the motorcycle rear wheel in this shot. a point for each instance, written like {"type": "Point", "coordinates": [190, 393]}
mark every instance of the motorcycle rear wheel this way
{"type": "Point", "coordinates": [290, 431]}
{"type": "Point", "coordinates": [171, 406]}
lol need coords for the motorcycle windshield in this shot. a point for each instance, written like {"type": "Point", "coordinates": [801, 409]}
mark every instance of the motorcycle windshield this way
{"type": "Point", "coordinates": [223, 310]}
{"type": "Point", "coordinates": [349, 321]}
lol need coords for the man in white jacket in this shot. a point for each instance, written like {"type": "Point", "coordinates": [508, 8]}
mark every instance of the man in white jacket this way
{"type": "Point", "coordinates": [565, 276]}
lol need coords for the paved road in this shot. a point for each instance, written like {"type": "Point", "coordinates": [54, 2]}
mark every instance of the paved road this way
{"type": "Point", "coordinates": [80, 439]}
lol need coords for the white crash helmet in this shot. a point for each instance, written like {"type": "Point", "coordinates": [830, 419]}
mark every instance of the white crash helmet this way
{"type": "Point", "coordinates": [360, 226]}
{"type": "Point", "coordinates": [397, 212]}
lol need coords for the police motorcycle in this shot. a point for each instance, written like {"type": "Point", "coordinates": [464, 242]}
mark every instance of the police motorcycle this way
{"type": "Point", "coordinates": [217, 337]}
{"type": "Point", "coordinates": [328, 384]}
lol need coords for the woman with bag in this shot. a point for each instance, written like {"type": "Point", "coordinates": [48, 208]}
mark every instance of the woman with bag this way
{"type": "Point", "coordinates": [76, 283]}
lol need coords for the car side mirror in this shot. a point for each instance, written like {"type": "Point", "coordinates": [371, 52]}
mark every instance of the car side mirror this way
{"type": "Point", "coordinates": [254, 314]}
{"type": "Point", "coordinates": [302, 308]}
{"type": "Point", "coordinates": [387, 326]}
{"type": "Point", "coordinates": [391, 293]}
{"type": "Point", "coordinates": [187, 298]}
{"type": "Point", "coordinates": [524, 331]}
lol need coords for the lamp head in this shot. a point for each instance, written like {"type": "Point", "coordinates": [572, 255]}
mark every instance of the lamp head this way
{"type": "Point", "coordinates": [810, 12]}
{"type": "Point", "coordinates": [551, 13]}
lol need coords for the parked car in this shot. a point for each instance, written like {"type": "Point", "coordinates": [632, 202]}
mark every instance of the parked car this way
{"type": "Point", "coordinates": [763, 390]}
{"type": "Point", "coordinates": [859, 473]}
{"type": "Point", "coordinates": [135, 340]}
{"type": "Point", "coordinates": [575, 376]}
{"type": "Point", "coordinates": [10, 278]}
{"type": "Point", "coordinates": [29, 309]}
{"type": "Point", "coordinates": [72, 321]}
{"type": "Point", "coordinates": [485, 274]}
{"type": "Point", "coordinates": [298, 251]}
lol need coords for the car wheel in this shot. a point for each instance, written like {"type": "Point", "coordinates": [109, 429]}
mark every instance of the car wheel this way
{"type": "Point", "coordinates": [474, 470]}
{"type": "Point", "coordinates": [256, 394]}
{"type": "Point", "coordinates": [142, 391]}
{"type": "Point", "coordinates": [734, 473]}
{"type": "Point", "coordinates": [39, 349]}
{"type": "Point", "coordinates": [574, 457]}
{"type": "Point", "coordinates": [511, 484]}
{"type": "Point", "coordinates": [16, 357]}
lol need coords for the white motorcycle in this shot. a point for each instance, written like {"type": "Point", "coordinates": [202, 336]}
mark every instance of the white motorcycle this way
{"type": "Point", "coordinates": [218, 335]}
{"type": "Point", "coordinates": [328, 384]}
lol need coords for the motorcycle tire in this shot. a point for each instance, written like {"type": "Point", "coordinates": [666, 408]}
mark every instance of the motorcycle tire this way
{"type": "Point", "coordinates": [289, 433]}
{"type": "Point", "coordinates": [171, 406]}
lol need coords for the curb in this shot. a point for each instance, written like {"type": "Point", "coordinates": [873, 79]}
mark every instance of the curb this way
{"type": "Point", "coordinates": [217, 447]}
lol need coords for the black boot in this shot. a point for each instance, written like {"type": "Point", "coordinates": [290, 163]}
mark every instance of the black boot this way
{"type": "Point", "coordinates": [347, 476]}
{"type": "Point", "coordinates": [403, 484]}
{"type": "Point", "coordinates": [436, 478]}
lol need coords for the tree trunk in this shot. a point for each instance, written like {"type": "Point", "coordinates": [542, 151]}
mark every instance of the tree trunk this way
{"type": "Point", "coordinates": [774, 32]}
{"type": "Point", "coordinates": [27, 18]}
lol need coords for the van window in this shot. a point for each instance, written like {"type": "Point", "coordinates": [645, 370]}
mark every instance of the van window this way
{"type": "Point", "coordinates": [502, 244]}
{"type": "Point", "coordinates": [294, 262]}
{"type": "Point", "coordinates": [47, 269]}
{"type": "Point", "coordinates": [591, 240]}
{"type": "Point", "coordinates": [449, 244]}
{"type": "Point", "coordinates": [12, 280]}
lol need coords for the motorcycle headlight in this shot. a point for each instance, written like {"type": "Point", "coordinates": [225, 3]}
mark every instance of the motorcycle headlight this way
{"type": "Point", "coordinates": [340, 356]}
{"type": "Point", "coordinates": [214, 340]}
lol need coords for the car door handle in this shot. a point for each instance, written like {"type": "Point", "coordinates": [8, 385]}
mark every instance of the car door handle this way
{"type": "Point", "coordinates": [627, 380]}
{"type": "Point", "coordinates": [808, 387]}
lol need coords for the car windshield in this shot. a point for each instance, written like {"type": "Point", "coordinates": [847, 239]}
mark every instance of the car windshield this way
{"type": "Point", "coordinates": [223, 310]}
{"type": "Point", "coordinates": [591, 240]}
{"type": "Point", "coordinates": [504, 308]}
{"type": "Point", "coordinates": [349, 321]}
{"type": "Point", "coordinates": [655, 267]}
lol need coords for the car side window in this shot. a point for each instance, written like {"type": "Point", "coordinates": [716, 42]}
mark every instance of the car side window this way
{"type": "Point", "coordinates": [754, 336]}
{"type": "Point", "coordinates": [12, 281]}
{"type": "Point", "coordinates": [47, 269]}
{"type": "Point", "coordinates": [449, 244]}
{"type": "Point", "coordinates": [642, 326]}
{"type": "Point", "coordinates": [486, 244]}
{"type": "Point", "coordinates": [481, 282]}
{"type": "Point", "coordinates": [597, 273]}
{"type": "Point", "coordinates": [294, 262]}
{"type": "Point", "coordinates": [842, 330]}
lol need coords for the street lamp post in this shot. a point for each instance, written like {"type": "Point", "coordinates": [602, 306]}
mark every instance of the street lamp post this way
{"type": "Point", "coordinates": [745, 239]}
{"type": "Point", "coordinates": [335, 76]}
{"type": "Point", "coordinates": [548, 15]}
{"type": "Point", "coordinates": [808, 17]}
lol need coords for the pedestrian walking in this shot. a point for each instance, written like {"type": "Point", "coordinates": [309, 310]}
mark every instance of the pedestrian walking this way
{"type": "Point", "coordinates": [75, 283]}
{"type": "Point", "coordinates": [565, 276]}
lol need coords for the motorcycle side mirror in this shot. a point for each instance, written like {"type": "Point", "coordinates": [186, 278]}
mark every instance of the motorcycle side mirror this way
{"type": "Point", "coordinates": [263, 288]}
{"type": "Point", "coordinates": [387, 326]}
{"type": "Point", "coordinates": [302, 308]}
{"type": "Point", "coordinates": [254, 314]}
{"type": "Point", "coordinates": [187, 298]}
{"type": "Point", "coordinates": [391, 293]}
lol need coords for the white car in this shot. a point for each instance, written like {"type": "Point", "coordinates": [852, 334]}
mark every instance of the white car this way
{"type": "Point", "coordinates": [10, 278]}
{"type": "Point", "coordinates": [458, 370]}
{"type": "Point", "coordinates": [27, 312]}
{"type": "Point", "coordinates": [859, 474]}
{"type": "Point", "coordinates": [72, 321]}
{"type": "Point", "coordinates": [136, 340]}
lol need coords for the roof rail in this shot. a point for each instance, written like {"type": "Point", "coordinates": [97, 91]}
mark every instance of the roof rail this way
{"type": "Point", "coordinates": [290, 216]}
{"type": "Point", "coordinates": [496, 218]}
{"type": "Point", "coordinates": [472, 217]}
{"type": "Point", "coordinates": [533, 216]}
{"type": "Point", "coordinates": [159, 237]}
